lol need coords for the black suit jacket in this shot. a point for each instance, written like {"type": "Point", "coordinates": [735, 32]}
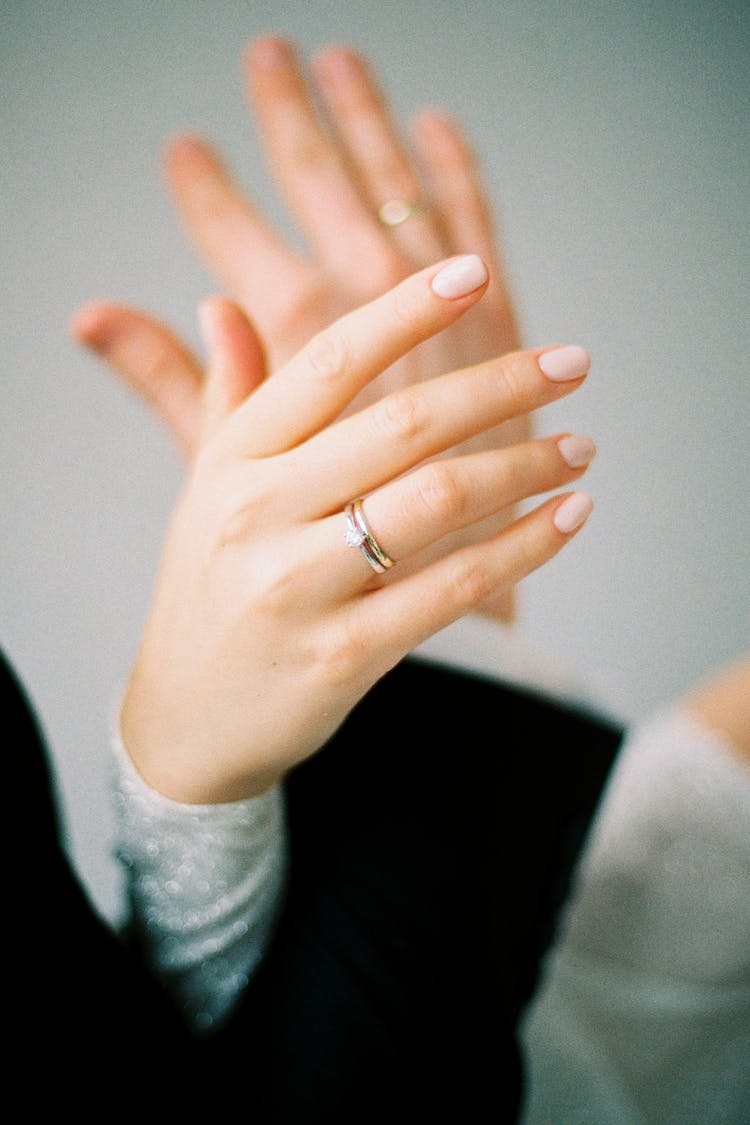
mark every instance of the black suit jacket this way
{"type": "Point", "coordinates": [432, 844]}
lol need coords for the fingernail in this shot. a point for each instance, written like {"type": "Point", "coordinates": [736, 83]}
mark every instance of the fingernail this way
{"type": "Point", "coordinates": [573, 512]}
{"type": "Point", "coordinates": [570, 362]}
{"type": "Point", "coordinates": [460, 277]}
{"type": "Point", "coordinates": [577, 450]}
{"type": "Point", "coordinates": [270, 52]}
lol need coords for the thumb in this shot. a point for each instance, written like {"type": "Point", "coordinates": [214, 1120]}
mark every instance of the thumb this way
{"type": "Point", "coordinates": [150, 359]}
{"type": "Point", "coordinates": [236, 360]}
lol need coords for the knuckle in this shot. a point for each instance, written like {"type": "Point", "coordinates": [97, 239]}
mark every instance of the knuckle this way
{"type": "Point", "coordinates": [440, 492]}
{"type": "Point", "coordinates": [526, 471]}
{"type": "Point", "coordinates": [242, 505]}
{"type": "Point", "coordinates": [311, 151]}
{"type": "Point", "coordinates": [399, 416]}
{"type": "Point", "coordinates": [473, 581]}
{"type": "Point", "coordinates": [273, 584]}
{"type": "Point", "coordinates": [301, 317]}
{"type": "Point", "coordinates": [511, 378]}
{"type": "Point", "coordinates": [408, 304]}
{"type": "Point", "coordinates": [328, 355]}
{"type": "Point", "coordinates": [532, 546]}
{"type": "Point", "coordinates": [158, 372]}
{"type": "Point", "coordinates": [238, 522]}
{"type": "Point", "coordinates": [384, 272]}
{"type": "Point", "coordinates": [276, 585]}
{"type": "Point", "coordinates": [529, 552]}
{"type": "Point", "coordinates": [340, 654]}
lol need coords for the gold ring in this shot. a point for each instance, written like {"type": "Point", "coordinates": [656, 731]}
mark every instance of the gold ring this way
{"type": "Point", "coordinates": [397, 211]}
{"type": "Point", "coordinates": [358, 534]}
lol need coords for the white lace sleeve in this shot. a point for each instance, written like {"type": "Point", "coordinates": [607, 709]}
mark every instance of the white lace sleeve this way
{"type": "Point", "coordinates": [205, 884]}
{"type": "Point", "coordinates": [644, 1013]}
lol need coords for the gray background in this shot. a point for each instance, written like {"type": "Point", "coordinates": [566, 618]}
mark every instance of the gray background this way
{"type": "Point", "coordinates": [613, 140]}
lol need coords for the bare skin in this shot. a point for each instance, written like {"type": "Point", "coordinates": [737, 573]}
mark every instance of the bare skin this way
{"type": "Point", "coordinates": [722, 702]}
{"type": "Point", "coordinates": [265, 628]}
{"type": "Point", "coordinates": [335, 156]}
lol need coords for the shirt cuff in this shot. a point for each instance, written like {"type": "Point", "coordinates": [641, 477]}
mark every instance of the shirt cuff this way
{"type": "Point", "coordinates": [665, 883]}
{"type": "Point", "coordinates": [205, 884]}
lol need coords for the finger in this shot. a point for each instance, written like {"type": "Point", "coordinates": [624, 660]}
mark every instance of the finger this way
{"type": "Point", "coordinates": [445, 496]}
{"type": "Point", "coordinates": [379, 443]}
{"type": "Point", "coordinates": [317, 385]}
{"type": "Point", "coordinates": [455, 185]}
{"type": "Point", "coordinates": [418, 511]}
{"type": "Point", "coordinates": [237, 360]}
{"type": "Point", "coordinates": [151, 360]}
{"type": "Point", "coordinates": [398, 616]}
{"type": "Point", "coordinates": [236, 243]}
{"type": "Point", "coordinates": [309, 170]}
{"type": "Point", "coordinates": [373, 149]}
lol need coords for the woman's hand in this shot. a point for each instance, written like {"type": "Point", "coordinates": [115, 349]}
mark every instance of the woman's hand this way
{"type": "Point", "coordinates": [334, 168]}
{"type": "Point", "coordinates": [266, 627]}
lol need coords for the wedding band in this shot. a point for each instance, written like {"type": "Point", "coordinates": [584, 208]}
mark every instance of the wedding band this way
{"type": "Point", "coordinates": [397, 211]}
{"type": "Point", "coordinates": [358, 534]}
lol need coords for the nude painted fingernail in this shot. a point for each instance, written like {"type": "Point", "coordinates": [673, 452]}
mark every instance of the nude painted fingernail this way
{"type": "Point", "coordinates": [570, 362]}
{"type": "Point", "coordinates": [577, 450]}
{"type": "Point", "coordinates": [573, 512]}
{"type": "Point", "coordinates": [460, 277]}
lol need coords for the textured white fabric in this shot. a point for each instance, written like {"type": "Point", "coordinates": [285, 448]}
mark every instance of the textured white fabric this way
{"type": "Point", "coordinates": [644, 1014]}
{"type": "Point", "coordinates": [205, 884]}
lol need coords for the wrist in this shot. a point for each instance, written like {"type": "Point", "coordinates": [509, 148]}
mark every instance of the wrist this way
{"type": "Point", "coordinates": [173, 762]}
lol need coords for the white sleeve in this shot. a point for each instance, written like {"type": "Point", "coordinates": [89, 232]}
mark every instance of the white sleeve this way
{"type": "Point", "coordinates": [644, 1011]}
{"type": "Point", "coordinates": [205, 884]}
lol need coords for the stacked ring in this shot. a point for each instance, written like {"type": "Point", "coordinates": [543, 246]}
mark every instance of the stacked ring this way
{"type": "Point", "coordinates": [397, 211]}
{"type": "Point", "coordinates": [358, 534]}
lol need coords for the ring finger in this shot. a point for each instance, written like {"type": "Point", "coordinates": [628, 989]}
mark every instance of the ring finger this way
{"type": "Point", "coordinates": [376, 154]}
{"type": "Point", "coordinates": [413, 513]}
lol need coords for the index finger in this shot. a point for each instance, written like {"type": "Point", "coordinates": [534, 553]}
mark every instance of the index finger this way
{"type": "Point", "coordinates": [228, 232]}
{"type": "Point", "coordinates": [323, 378]}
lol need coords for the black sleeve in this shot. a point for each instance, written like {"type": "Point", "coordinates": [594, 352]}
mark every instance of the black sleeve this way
{"type": "Point", "coordinates": [432, 845]}
{"type": "Point", "coordinates": [82, 1017]}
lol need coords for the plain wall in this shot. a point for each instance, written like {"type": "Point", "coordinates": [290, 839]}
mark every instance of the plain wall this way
{"type": "Point", "coordinates": [613, 140]}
